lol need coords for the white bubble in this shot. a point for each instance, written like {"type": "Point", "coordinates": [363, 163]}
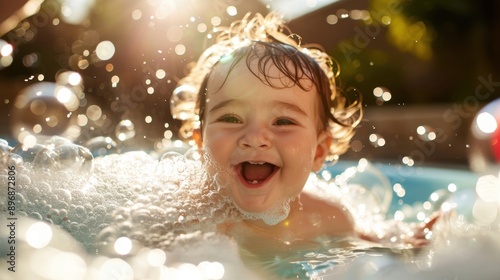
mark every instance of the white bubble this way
{"type": "Point", "coordinates": [29, 141]}
{"type": "Point", "coordinates": [94, 112]}
{"type": "Point", "coordinates": [488, 188]}
{"type": "Point", "coordinates": [426, 133]}
{"type": "Point", "coordinates": [160, 74]}
{"type": "Point", "coordinates": [232, 10]}
{"type": "Point", "coordinates": [115, 269]}
{"type": "Point", "coordinates": [202, 27]}
{"type": "Point", "coordinates": [215, 21]}
{"type": "Point", "coordinates": [5, 49]}
{"type": "Point", "coordinates": [188, 271]}
{"type": "Point", "coordinates": [180, 49]}
{"type": "Point", "coordinates": [485, 213]}
{"type": "Point", "coordinates": [386, 96]}
{"type": "Point", "coordinates": [67, 266]}
{"type": "Point", "coordinates": [136, 14]}
{"type": "Point", "coordinates": [211, 270]}
{"type": "Point", "coordinates": [332, 19]}
{"type": "Point", "coordinates": [452, 187]}
{"type": "Point", "coordinates": [376, 140]}
{"type": "Point", "coordinates": [486, 122]}
{"type": "Point", "coordinates": [39, 235]}
{"type": "Point", "coordinates": [64, 95]}
{"type": "Point", "coordinates": [123, 246]}
{"type": "Point", "coordinates": [156, 257]}
{"type": "Point", "coordinates": [378, 91]}
{"type": "Point", "coordinates": [105, 50]}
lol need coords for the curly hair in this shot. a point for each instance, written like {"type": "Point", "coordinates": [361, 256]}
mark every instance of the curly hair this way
{"type": "Point", "coordinates": [268, 40]}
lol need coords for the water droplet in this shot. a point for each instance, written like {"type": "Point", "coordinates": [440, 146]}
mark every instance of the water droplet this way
{"type": "Point", "coordinates": [376, 140]}
{"type": "Point", "coordinates": [426, 133]}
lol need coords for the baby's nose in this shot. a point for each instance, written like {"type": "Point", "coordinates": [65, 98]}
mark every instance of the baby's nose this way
{"type": "Point", "coordinates": [256, 137]}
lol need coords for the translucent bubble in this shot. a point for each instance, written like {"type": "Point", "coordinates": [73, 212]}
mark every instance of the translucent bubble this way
{"type": "Point", "coordinates": [74, 157]}
{"type": "Point", "coordinates": [125, 130]}
{"type": "Point", "coordinates": [177, 146]}
{"type": "Point", "coordinates": [57, 141]}
{"type": "Point", "coordinates": [171, 156]}
{"type": "Point", "coordinates": [368, 188]}
{"type": "Point", "coordinates": [484, 151]}
{"type": "Point", "coordinates": [183, 102]}
{"type": "Point", "coordinates": [45, 159]}
{"type": "Point", "coordinates": [141, 215]}
{"type": "Point", "coordinates": [101, 146]}
{"type": "Point", "coordinates": [44, 106]}
{"type": "Point", "coordinates": [78, 214]}
{"type": "Point", "coordinates": [5, 149]}
{"type": "Point", "coordinates": [194, 154]}
{"type": "Point", "coordinates": [26, 154]}
{"type": "Point", "coordinates": [66, 156]}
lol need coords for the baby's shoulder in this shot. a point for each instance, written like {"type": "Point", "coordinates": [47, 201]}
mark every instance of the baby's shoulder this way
{"type": "Point", "coordinates": [329, 216]}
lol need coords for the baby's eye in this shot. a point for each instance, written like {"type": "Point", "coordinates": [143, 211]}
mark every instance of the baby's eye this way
{"type": "Point", "coordinates": [284, 122]}
{"type": "Point", "coordinates": [229, 119]}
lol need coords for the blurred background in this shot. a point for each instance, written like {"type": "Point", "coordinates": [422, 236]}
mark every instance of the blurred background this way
{"type": "Point", "coordinates": [424, 69]}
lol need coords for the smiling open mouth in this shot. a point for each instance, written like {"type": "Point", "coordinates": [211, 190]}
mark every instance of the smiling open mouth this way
{"type": "Point", "coordinates": [254, 173]}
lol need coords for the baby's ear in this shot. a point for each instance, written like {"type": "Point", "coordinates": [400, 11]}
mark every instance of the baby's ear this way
{"type": "Point", "coordinates": [322, 150]}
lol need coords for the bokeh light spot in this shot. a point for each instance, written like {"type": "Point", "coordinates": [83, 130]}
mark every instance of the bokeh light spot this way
{"type": "Point", "coordinates": [105, 50]}
{"type": "Point", "coordinates": [39, 235]}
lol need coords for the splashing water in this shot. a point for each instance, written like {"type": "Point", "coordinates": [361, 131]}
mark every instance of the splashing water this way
{"type": "Point", "coordinates": [145, 217]}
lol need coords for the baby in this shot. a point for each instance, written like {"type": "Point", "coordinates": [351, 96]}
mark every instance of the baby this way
{"type": "Point", "coordinates": [267, 113]}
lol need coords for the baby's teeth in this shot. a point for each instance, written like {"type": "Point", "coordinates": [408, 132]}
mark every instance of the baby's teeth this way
{"type": "Point", "coordinates": [255, 182]}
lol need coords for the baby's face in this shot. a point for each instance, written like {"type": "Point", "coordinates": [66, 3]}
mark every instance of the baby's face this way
{"type": "Point", "coordinates": [264, 141]}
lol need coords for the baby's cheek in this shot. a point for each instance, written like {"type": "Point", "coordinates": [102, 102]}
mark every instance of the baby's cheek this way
{"type": "Point", "coordinates": [301, 150]}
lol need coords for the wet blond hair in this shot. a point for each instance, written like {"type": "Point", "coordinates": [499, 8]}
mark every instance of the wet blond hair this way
{"type": "Point", "coordinates": [339, 115]}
